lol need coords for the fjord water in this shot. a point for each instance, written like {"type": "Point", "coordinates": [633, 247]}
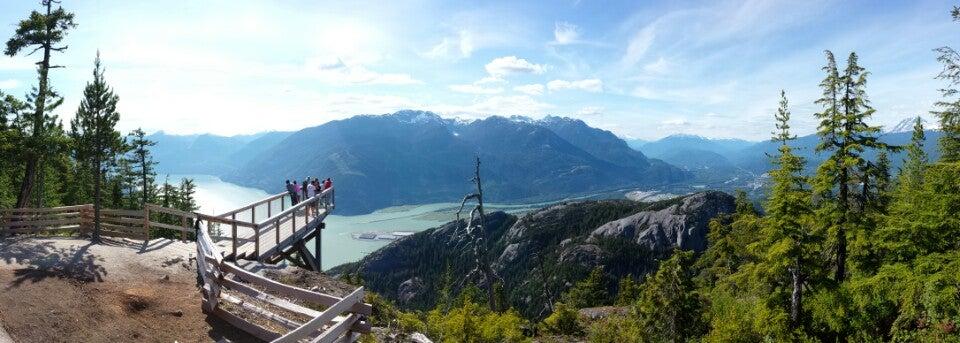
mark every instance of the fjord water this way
{"type": "Point", "coordinates": [215, 196]}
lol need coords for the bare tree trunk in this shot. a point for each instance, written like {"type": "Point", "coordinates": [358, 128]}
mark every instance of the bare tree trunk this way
{"type": "Point", "coordinates": [796, 298]}
{"type": "Point", "coordinates": [97, 202]}
{"type": "Point", "coordinates": [40, 103]}
{"type": "Point", "coordinates": [26, 186]}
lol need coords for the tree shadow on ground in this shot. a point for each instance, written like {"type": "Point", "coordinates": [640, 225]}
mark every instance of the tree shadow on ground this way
{"type": "Point", "coordinates": [222, 331]}
{"type": "Point", "coordinates": [42, 260]}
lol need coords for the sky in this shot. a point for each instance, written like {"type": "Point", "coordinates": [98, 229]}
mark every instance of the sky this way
{"type": "Point", "coordinates": [641, 69]}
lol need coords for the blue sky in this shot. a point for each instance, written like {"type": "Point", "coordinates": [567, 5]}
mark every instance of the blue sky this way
{"type": "Point", "coordinates": [641, 69]}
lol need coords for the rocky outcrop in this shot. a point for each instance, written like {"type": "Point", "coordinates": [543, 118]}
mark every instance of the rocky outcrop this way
{"type": "Point", "coordinates": [683, 224]}
{"type": "Point", "coordinates": [539, 255]}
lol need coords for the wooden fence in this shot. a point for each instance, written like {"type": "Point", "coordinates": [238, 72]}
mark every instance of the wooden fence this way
{"type": "Point", "coordinates": [232, 293]}
{"type": "Point", "coordinates": [134, 224]}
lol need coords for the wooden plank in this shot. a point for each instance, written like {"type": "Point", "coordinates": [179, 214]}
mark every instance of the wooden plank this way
{"type": "Point", "coordinates": [171, 227]}
{"type": "Point", "coordinates": [73, 208]}
{"type": "Point", "coordinates": [337, 330]}
{"type": "Point", "coordinates": [255, 203]}
{"type": "Point", "coordinates": [51, 222]}
{"type": "Point", "coordinates": [167, 210]}
{"type": "Point", "coordinates": [328, 315]}
{"type": "Point", "coordinates": [293, 292]}
{"type": "Point", "coordinates": [123, 213]}
{"type": "Point", "coordinates": [44, 229]}
{"type": "Point", "coordinates": [283, 321]}
{"type": "Point", "coordinates": [117, 220]}
{"type": "Point", "coordinates": [253, 329]}
{"type": "Point", "coordinates": [209, 282]}
{"type": "Point", "coordinates": [53, 215]}
{"type": "Point", "coordinates": [278, 302]}
{"type": "Point", "coordinates": [307, 257]}
{"type": "Point", "coordinates": [225, 220]}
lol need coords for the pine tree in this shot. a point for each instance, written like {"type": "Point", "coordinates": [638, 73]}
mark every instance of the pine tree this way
{"type": "Point", "coordinates": [786, 230]}
{"type": "Point", "coordinates": [41, 31]}
{"type": "Point", "coordinates": [10, 147]}
{"type": "Point", "coordinates": [911, 173]}
{"type": "Point", "coordinates": [949, 107]}
{"type": "Point", "coordinates": [96, 136]}
{"type": "Point", "coordinates": [143, 164]}
{"type": "Point", "coordinates": [845, 134]}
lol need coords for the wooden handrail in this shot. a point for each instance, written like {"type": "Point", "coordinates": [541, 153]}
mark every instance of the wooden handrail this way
{"type": "Point", "coordinates": [299, 206]}
{"type": "Point", "coordinates": [255, 204]}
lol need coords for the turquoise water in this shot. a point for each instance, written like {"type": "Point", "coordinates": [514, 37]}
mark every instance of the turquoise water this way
{"type": "Point", "coordinates": [338, 246]}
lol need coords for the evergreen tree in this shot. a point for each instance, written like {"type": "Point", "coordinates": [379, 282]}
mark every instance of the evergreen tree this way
{"type": "Point", "coordinates": [845, 134]}
{"type": "Point", "coordinates": [786, 230]}
{"type": "Point", "coordinates": [41, 31]}
{"type": "Point", "coordinates": [144, 164]}
{"type": "Point", "coordinates": [949, 108]}
{"type": "Point", "coordinates": [10, 147]}
{"type": "Point", "coordinates": [95, 134]}
{"type": "Point", "coordinates": [670, 308]}
{"type": "Point", "coordinates": [911, 173]}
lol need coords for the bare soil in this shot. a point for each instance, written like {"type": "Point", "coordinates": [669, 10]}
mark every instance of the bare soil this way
{"type": "Point", "coordinates": [69, 290]}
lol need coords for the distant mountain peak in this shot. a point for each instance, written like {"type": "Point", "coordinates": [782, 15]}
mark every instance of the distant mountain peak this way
{"type": "Point", "coordinates": [906, 125]}
{"type": "Point", "coordinates": [415, 116]}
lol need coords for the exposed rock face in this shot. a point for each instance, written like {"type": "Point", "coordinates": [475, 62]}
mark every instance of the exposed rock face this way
{"type": "Point", "coordinates": [541, 254]}
{"type": "Point", "coordinates": [409, 289]}
{"type": "Point", "coordinates": [682, 225]}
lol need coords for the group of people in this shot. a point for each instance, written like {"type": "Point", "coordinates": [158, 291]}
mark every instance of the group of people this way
{"type": "Point", "coordinates": [308, 189]}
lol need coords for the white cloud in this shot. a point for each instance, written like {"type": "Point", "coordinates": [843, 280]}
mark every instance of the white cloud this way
{"type": "Point", "coordinates": [589, 85]}
{"type": "Point", "coordinates": [661, 66]}
{"type": "Point", "coordinates": [337, 72]}
{"type": "Point", "coordinates": [512, 65]}
{"type": "Point", "coordinates": [531, 89]}
{"type": "Point", "coordinates": [9, 84]}
{"type": "Point", "coordinates": [475, 89]}
{"type": "Point", "coordinates": [565, 33]}
{"type": "Point", "coordinates": [589, 111]}
{"type": "Point", "coordinates": [490, 79]}
{"type": "Point", "coordinates": [638, 46]}
{"type": "Point", "coordinates": [458, 47]}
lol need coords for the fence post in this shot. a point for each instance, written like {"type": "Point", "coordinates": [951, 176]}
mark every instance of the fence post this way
{"type": "Point", "coordinates": [186, 225]}
{"type": "Point", "coordinates": [234, 228]}
{"type": "Point", "coordinates": [276, 230]}
{"type": "Point", "coordinates": [270, 208]}
{"type": "Point", "coordinates": [253, 214]}
{"type": "Point", "coordinates": [146, 223]}
{"type": "Point", "coordinates": [256, 242]}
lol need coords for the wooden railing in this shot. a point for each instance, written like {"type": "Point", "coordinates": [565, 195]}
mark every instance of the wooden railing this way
{"type": "Point", "coordinates": [316, 206]}
{"type": "Point", "coordinates": [135, 224]}
{"type": "Point", "coordinates": [342, 320]}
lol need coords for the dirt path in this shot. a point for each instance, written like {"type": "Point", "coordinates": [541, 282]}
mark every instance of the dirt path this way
{"type": "Point", "coordinates": [68, 290]}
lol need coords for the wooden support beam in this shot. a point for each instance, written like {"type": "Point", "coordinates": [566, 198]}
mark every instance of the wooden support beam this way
{"type": "Point", "coordinates": [307, 257]}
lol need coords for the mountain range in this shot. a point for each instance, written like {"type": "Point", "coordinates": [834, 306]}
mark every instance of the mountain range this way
{"type": "Point", "coordinates": [730, 164]}
{"type": "Point", "coordinates": [412, 157]}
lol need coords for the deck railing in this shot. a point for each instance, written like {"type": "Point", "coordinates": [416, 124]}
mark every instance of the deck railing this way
{"type": "Point", "coordinates": [313, 209]}
{"type": "Point", "coordinates": [341, 320]}
{"type": "Point", "coordinates": [134, 224]}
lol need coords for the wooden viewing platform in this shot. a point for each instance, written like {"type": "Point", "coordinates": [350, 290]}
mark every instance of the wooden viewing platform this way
{"type": "Point", "coordinates": [267, 231]}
